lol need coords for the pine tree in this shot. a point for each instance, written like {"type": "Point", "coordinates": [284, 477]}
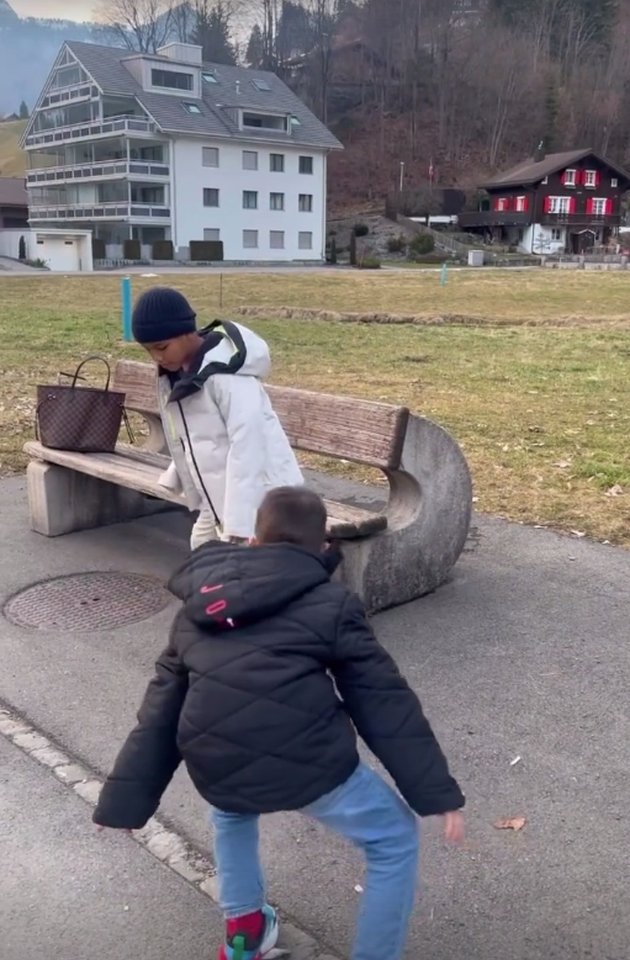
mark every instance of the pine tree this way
{"type": "Point", "coordinates": [24, 112]}
{"type": "Point", "coordinates": [212, 33]}
{"type": "Point", "coordinates": [255, 54]}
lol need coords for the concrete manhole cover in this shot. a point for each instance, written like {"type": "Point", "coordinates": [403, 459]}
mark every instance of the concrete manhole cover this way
{"type": "Point", "coordinates": [88, 601]}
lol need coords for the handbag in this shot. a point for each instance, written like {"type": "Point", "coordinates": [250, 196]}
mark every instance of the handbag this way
{"type": "Point", "coordinates": [81, 419]}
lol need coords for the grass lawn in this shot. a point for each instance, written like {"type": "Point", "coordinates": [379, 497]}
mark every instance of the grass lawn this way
{"type": "Point", "coordinates": [534, 379]}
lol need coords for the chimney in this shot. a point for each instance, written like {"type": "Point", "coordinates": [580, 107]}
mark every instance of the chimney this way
{"type": "Point", "coordinates": [238, 87]}
{"type": "Point", "coordinates": [539, 153]}
{"type": "Point", "coordinates": [188, 53]}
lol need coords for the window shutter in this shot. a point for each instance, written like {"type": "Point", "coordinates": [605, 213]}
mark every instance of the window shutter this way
{"type": "Point", "coordinates": [548, 205]}
{"type": "Point", "coordinates": [580, 177]}
{"type": "Point", "coordinates": [589, 207]}
{"type": "Point", "coordinates": [572, 204]}
{"type": "Point", "coordinates": [564, 178]}
{"type": "Point", "coordinates": [598, 178]}
{"type": "Point", "coordinates": [608, 209]}
{"type": "Point", "coordinates": [525, 204]}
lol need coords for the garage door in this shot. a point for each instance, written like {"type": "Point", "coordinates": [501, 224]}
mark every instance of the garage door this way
{"type": "Point", "coordinates": [59, 254]}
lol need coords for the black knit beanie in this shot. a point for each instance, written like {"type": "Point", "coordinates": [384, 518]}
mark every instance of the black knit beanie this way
{"type": "Point", "coordinates": [162, 314]}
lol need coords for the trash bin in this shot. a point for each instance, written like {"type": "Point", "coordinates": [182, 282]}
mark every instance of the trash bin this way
{"type": "Point", "coordinates": [475, 258]}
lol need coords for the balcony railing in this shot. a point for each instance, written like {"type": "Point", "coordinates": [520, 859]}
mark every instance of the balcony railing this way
{"type": "Point", "coordinates": [580, 220]}
{"type": "Point", "coordinates": [97, 171]}
{"type": "Point", "coordinates": [96, 128]}
{"type": "Point", "coordinates": [101, 211]}
{"type": "Point", "coordinates": [493, 218]}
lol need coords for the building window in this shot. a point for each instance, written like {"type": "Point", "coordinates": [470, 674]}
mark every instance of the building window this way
{"type": "Point", "coordinates": [261, 85]}
{"type": "Point", "coordinates": [305, 240]}
{"type": "Point", "coordinates": [569, 178]}
{"type": "Point", "coordinates": [556, 233]}
{"type": "Point", "coordinates": [172, 80]}
{"type": "Point", "coordinates": [250, 160]}
{"type": "Point", "coordinates": [557, 205]}
{"type": "Point", "coordinates": [209, 77]}
{"type": "Point", "coordinates": [590, 178]}
{"type": "Point", "coordinates": [306, 203]}
{"type": "Point", "coordinates": [545, 180]}
{"type": "Point", "coordinates": [501, 204]}
{"type": "Point", "coordinates": [521, 204]}
{"type": "Point", "coordinates": [306, 164]}
{"type": "Point", "coordinates": [599, 207]}
{"type": "Point", "coordinates": [261, 121]}
{"type": "Point", "coordinates": [212, 235]}
{"type": "Point", "coordinates": [276, 162]}
{"type": "Point", "coordinates": [193, 108]}
{"type": "Point", "coordinates": [210, 156]}
{"type": "Point", "coordinates": [210, 197]}
{"type": "Point", "coordinates": [614, 182]}
{"type": "Point", "coordinates": [250, 200]}
{"type": "Point", "coordinates": [276, 201]}
{"type": "Point", "coordinates": [250, 239]}
{"type": "Point", "coordinates": [276, 239]}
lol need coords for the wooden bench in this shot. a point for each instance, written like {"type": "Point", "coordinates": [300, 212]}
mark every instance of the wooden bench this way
{"type": "Point", "coordinates": [389, 557]}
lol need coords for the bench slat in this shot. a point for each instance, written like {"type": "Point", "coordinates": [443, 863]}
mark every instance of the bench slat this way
{"type": "Point", "coordinates": [359, 430]}
{"type": "Point", "coordinates": [342, 427]}
{"type": "Point", "coordinates": [140, 469]}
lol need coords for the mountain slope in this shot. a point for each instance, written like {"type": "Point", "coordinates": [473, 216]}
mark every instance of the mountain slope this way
{"type": "Point", "coordinates": [12, 158]}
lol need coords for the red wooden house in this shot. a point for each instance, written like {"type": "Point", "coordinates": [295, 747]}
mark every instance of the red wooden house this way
{"type": "Point", "coordinates": [561, 203]}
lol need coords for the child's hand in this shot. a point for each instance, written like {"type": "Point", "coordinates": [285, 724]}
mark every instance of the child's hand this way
{"type": "Point", "coordinates": [454, 827]}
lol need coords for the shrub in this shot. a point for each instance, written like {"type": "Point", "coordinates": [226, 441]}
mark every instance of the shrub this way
{"type": "Point", "coordinates": [206, 251]}
{"type": "Point", "coordinates": [369, 263]}
{"type": "Point", "coordinates": [98, 248]}
{"type": "Point", "coordinates": [421, 244]}
{"type": "Point", "coordinates": [361, 230]}
{"type": "Point", "coordinates": [162, 250]}
{"type": "Point", "coordinates": [397, 244]}
{"type": "Point", "coordinates": [132, 250]}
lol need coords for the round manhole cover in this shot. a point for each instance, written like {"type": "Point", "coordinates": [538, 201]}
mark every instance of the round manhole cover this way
{"type": "Point", "coordinates": [88, 601]}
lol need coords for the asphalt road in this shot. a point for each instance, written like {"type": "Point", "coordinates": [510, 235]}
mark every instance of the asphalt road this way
{"type": "Point", "coordinates": [524, 654]}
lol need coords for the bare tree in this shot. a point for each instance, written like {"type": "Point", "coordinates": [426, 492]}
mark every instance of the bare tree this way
{"type": "Point", "coordinates": [143, 25]}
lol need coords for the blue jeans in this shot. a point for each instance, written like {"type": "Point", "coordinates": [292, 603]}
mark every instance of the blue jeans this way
{"type": "Point", "coordinates": [364, 810]}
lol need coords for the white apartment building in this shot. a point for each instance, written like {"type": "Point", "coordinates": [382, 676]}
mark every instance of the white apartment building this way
{"type": "Point", "coordinates": [165, 147]}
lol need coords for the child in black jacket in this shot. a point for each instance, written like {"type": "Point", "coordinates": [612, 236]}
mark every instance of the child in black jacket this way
{"type": "Point", "coordinates": [244, 694]}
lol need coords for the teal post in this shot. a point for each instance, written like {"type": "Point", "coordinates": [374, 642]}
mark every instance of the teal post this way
{"type": "Point", "coordinates": [125, 300]}
{"type": "Point", "coordinates": [444, 275]}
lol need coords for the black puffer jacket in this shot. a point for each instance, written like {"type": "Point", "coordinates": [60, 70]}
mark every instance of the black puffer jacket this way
{"type": "Point", "coordinates": [244, 694]}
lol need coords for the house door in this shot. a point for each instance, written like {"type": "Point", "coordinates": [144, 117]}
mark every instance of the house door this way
{"type": "Point", "coordinates": [583, 242]}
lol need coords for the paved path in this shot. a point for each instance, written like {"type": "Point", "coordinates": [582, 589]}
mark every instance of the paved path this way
{"type": "Point", "coordinates": [524, 654]}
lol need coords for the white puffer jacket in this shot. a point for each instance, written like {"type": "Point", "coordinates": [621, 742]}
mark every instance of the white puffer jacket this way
{"type": "Point", "coordinates": [227, 444]}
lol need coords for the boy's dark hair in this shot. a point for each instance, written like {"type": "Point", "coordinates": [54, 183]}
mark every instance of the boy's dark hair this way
{"type": "Point", "coordinates": [292, 515]}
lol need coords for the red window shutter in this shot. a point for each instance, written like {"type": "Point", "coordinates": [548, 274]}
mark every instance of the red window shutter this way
{"type": "Point", "coordinates": [525, 204]}
{"type": "Point", "coordinates": [564, 178]}
{"type": "Point", "coordinates": [598, 178]}
{"type": "Point", "coordinates": [496, 204]}
{"type": "Point", "coordinates": [572, 204]}
{"type": "Point", "coordinates": [589, 207]}
{"type": "Point", "coordinates": [609, 207]}
{"type": "Point", "coordinates": [580, 177]}
{"type": "Point", "coordinates": [547, 207]}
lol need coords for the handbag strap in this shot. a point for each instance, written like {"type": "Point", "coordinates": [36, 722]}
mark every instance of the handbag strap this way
{"type": "Point", "coordinates": [89, 360]}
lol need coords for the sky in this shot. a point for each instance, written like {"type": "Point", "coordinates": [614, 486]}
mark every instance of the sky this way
{"type": "Point", "coordinates": [64, 9]}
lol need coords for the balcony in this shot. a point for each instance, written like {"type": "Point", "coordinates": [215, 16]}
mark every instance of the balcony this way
{"type": "Point", "coordinates": [579, 221]}
{"type": "Point", "coordinates": [493, 218]}
{"type": "Point", "coordinates": [96, 128]}
{"type": "Point", "coordinates": [111, 169]}
{"type": "Point", "coordinates": [102, 211]}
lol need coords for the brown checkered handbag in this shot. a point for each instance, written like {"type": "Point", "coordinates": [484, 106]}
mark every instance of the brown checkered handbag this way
{"type": "Point", "coordinates": [83, 419]}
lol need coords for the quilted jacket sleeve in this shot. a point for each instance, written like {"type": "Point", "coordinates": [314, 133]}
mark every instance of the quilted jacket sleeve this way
{"type": "Point", "coordinates": [150, 756]}
{"type": "Point", "coordinates": [389, 718]}
{"type": "Point", "coordinates": [240, 404]}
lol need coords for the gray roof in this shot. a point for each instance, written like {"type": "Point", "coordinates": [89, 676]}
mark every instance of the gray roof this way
{"type": "Point", "coordinates": [13, 192]}
{"type": "Point", "coordinates": [107, 67]}
{"type": "Point", "coordinates": [533, 171]}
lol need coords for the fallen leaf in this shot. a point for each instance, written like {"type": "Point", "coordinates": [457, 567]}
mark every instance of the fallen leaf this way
{"type": "Point", "coordinates": [563, 464]}
{"type": "Point", "coordinates": [511, 823]}
{"type": "Point", "coordinates": [578, 533]}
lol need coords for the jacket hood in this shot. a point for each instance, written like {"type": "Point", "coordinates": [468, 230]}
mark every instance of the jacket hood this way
{"type": "Point", "coordinates": [224, 585]}
{"type": "Point", "coordinates": [228, 348]}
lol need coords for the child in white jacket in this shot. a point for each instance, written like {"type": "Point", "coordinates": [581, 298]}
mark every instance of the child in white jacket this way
{"type": "Point", "coordinates": [227, 445]}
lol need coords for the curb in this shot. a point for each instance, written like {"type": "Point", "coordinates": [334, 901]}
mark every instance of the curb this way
{"type": "Point", "coordinates": [160, 841]}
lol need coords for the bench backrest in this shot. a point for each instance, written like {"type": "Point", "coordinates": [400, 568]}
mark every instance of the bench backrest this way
{"type": "Point", "coordinates": [359, 430]}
